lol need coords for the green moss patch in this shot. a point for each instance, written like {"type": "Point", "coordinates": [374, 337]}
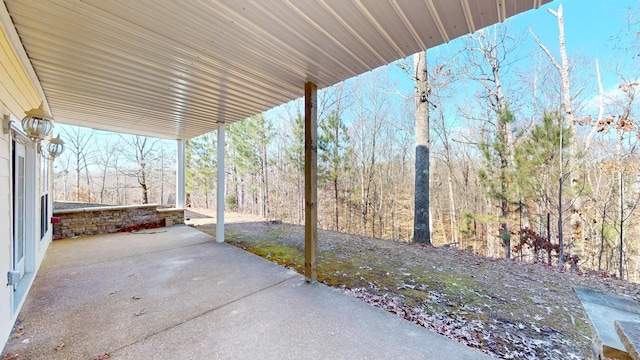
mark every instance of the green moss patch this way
{"type": "Point", "coordinates": [522, 307]}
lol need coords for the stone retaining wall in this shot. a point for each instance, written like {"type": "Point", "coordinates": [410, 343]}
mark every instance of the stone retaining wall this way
{"type": "Point", "coordinates": [171, 216]}
{"type": "Point", "coordinates": [111, 219]}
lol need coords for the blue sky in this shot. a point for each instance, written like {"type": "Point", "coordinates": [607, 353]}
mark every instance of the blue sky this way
{"type": "Point", "coordinates": [591, 31]}
{"type": "Point", "coordinates": [589, 24]}
{"type": "Point", "coordinates": [591, 28]}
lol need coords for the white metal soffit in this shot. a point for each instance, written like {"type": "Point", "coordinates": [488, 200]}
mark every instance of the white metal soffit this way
{"type": "Point", "coordinates": [175, 69]}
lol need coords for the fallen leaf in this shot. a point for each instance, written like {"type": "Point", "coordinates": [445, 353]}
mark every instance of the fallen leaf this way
{"type": "Point", "coordinates": [505, 308]}
{"type": "Point", "coordinates": [139, 312]}
{"type": "Point", "coordinates": [103, 357]}
{"type": "Point", "coordinates": [135, 297]}
{"type": "Point", "coordinates": [59, 347]}
{"type": "Point", "coordinates": [18, 333]}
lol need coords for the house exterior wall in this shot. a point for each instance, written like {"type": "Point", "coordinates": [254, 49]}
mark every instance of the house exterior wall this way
{"type": "Point", "coordinates": [17, 94]}
{"type": "Point", "coordinates": [6, 316]}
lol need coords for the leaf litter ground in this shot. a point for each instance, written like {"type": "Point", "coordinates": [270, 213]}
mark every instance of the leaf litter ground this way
{"type": "Point", "coordinates": [508, 309]}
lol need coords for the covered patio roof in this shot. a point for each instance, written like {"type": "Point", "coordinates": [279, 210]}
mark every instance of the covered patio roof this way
{"type": "Point", "coordinates": [176, 69]}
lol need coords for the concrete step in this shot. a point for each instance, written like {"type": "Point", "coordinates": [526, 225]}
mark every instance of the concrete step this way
{"type": "Point", "coordinates": [629, 332]}
{"type": "Point", "coordinates": [603, 311]}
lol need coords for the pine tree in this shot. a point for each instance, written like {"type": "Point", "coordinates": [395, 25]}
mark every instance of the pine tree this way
{"type": "Point", "coordinates": [498, 174]}
{"type": "Point", "coordinates": [249, 140]}
{"type": "Point", "coordinates": [295, 152]}
{"type": "Point", "coordinates": [201, 165]}
{"type": "Point", "coordinates": [334, 146]}
{"type": "Point", "coordinates": [538, 165]}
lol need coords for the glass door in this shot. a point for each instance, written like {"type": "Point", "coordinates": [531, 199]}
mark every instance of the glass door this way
{"type": "Point", "coordinates": [19, 208]}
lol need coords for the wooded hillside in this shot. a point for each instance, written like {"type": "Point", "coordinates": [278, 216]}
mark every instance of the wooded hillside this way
{"type": "Point", "coordinates": [529, 151]}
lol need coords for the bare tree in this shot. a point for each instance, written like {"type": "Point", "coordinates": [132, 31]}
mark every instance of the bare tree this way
{"type": "Point", "coordinates": [489, 53]}
{"type": "Point", "coordinates": [164, 159]}
{"type": "Point", "coordinates": [142, 152]}
{"type": "Point", "coordinates": [61, 170]}
{"type": "Point", "coordinates": [562, 67]}
{"type": "Point", "coordinates": [441, 79]}
{"type": "Point", "coordinates": [106, 162]}
{"type": "Point", "coordinates": [624, 125]}
{"type": "Point", "coordinates": [77, 141]}
{"type": "Point", "coordinates": [366, 130]}
{"type": "Point", "coordinates": [567, 118]}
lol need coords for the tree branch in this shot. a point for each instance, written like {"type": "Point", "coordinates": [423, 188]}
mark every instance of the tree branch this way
{"type": "Point", "coordinates": [546, 51]}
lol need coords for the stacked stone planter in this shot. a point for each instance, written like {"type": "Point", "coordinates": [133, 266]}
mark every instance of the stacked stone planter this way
{"type": "Point", "coordinates": [110, 219]}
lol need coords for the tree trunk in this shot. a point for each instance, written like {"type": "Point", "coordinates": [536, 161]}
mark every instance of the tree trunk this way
{"type": "Point", "coordinates": [380, 205]}
{"type": "Point", "coordinates": [66, 182]}
{"type": "Point", "coordinates": [335, 205]}
{"type": "Point", "coordinates": [145, 193]}
{"type": "Point", "coordinates": [421, 228]}
{"type": "Point", "coordinates": [265, 179]}
{"type": "Point", "coordinates": [394, 233]}
{"type": "Point", "coordinates": [621, 238]}
{"type": "Point", "coordinates": [336, 150]}
{"type": "Point", "coordinates": [78, 178]}
{"type": "Point", "coordinates": [563, 70]}
{"type": "Point", "coordinates": [601, 250]}
{"type": "Point", "coordinates": [102, 186]}
{"type": "Point", "coordinates": [452, 206]}
{"type": "Point", "coordinates": [564, 74]}
{"type": "Point", "coordinates": [162, 179]}
{"type": "Point", "coordinates": [549, 238]}
{"type": "Point", "coordinates": [363, 205]}
{"type": "Point", "coordinates": [560, 215]}
{"type": "Point", "coordinates": [206, 194]}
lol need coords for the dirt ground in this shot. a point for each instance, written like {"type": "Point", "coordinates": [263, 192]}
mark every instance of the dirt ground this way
{"type": "Point", "coordinates": [506, 308]}
{"type": "Point", "coordinates": [197, 217]}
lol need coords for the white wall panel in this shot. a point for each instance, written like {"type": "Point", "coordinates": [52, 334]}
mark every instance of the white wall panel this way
{"type": "Point", "coordinates": [6, 318]}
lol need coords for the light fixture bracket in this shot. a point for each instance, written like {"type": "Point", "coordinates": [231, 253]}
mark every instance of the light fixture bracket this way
{"type": "Point", "coordinates": [7, 124]}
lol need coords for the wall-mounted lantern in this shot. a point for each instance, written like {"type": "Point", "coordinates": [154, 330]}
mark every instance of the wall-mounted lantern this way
{"type": "Point", "coordinates": [55, 148]}
{"type": "Point", "coordinates": [37, 124]}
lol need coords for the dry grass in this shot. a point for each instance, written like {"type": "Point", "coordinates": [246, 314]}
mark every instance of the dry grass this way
{"type": "Point", "coordinates": [507, 308]}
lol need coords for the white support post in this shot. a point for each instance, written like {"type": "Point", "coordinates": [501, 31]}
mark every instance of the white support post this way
{"type": "Point", "coordinates": [181, 197]}
{"type": "Point", "coordinates": [220, 187]}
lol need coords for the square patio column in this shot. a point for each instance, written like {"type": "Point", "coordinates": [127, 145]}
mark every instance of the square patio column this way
{"type": "Point", "coordinates": [220, 187]}
{"type": "Point", "coordinates": [311, 182]}
{"type": "Point", "coordinates": [181, 198]}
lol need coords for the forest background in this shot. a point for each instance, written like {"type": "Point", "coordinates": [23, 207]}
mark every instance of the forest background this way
{"type": "Point", "coordinates": [498, 157]}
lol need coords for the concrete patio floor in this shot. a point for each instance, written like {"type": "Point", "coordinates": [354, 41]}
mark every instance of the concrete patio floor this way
{"type": "Point", "coordinates": [174, 293]}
